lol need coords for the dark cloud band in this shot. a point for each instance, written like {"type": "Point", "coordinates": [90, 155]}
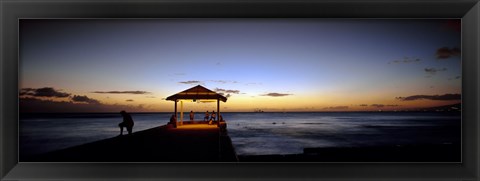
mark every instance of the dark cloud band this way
{"type": "Point", "coordinates": [406, 60]}
{"type": "Point", "coordinates": [227, 91]}
{"type": "Point", "coordinates": [274, 94]}
{"type": "Point", "coordinates": [434, 70]}
{"type": "Point", "coordinates": [224, 81]}
{"type": "Point", "coordinates": [445, 97]}
{"type": "Point", "coordinates": [84, 99]}
{"type": "Point", "coordinates": [336, 107]}
{"type": "Point", "coordinates": [43, 92]}
{"type": "Point", "coordinates": [383, 105]}
{"type": "Point", "coordinates": [445, 52]}
{"type": "Point", "coordinates": [31, 104]}
{"type": "Point", "coordinates": [191, 82]}
{"type": "Point", "coordinates": [121, 92]}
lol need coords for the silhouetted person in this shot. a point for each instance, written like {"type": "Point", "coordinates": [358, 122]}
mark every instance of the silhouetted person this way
{"type": "Point", "coordinates": [207, 115]}
{"type": "Point", "coordinates": [127, 122]}
{"type": "Point", "coordinates": [192, 116]}
{"type": "Point", "coordinates": [212, 117]}
{"type": "Point", "coordinates": [223, 127]}
{"type": "Point", "coordinates": [173, 119]}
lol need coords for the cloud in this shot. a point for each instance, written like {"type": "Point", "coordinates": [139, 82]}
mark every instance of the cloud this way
{"type": "Point", "coordinates": [30, 104]}
{"type": "Point", "coordinates": [84, 99]}
{"type": "Point", "coordinates": [224, 81]}
{"type": "Point", "coordinates": [129, 100]}
{"type": "Point", "coordinates": [336, 107]}
{"type": "Point", "coordinates": [43, 92]}
{"type": "Point", "coordinates": [220, 81]}
{"type": "Point", "coordinates": [434, 70]}
{"type": "Point", "coordinates": [227, 91]}
{"type": "Point", "coordinates": [52, 93]}
{"type": "Point", "coordinates": [121, 92]}
{"type": "Point", "coordinates": [383, 105]}
{"type": "Point", "coordinates": [35, 102]}
{"type": "Point", "coordinates": [392, 105]}
{"type": "Point", "coordinates": [406, 60]}
{"type": "Point", "coordinates": [274, 94]}
{"type": "Point", "coordinates": [445, 97]}
{"type": "Point", "coordinates": [377, 105]}
{"type": "Point", "coordinates": [226, 95]}
{"type": "Point", "coordinates": [445, 52]}
{"type": "Point", "coordinates": [363, 105]}
{"type": "Point", "coordinates": [191, 82]}
{"type": "Point", "coordinates": [150, 97]}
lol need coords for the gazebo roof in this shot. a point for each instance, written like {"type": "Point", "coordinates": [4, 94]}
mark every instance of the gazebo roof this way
{"type": "Point", "coordinates": [197, 92]}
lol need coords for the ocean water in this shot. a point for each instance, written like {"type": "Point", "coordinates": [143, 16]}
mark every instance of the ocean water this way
{"type": "Point", "coordinates": [254, 133]}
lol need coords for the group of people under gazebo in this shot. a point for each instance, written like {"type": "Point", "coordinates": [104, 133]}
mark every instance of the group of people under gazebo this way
{"type": "Point", "coordinates": [195, 94]}
{"type": "Point", "coordinates": [208, 117]}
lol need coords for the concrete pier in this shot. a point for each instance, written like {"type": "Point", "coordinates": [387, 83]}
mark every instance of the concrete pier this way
{"type": "Point", "coordinates": [197, 142]}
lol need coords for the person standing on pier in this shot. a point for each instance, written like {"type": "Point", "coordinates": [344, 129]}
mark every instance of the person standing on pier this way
{"type": "Point", "coordinates": [207, 115]}
{"type": "Point", "coordinates": [192, 116]}
{"type": "Point", "coordinates": [173, 120]}
{"type": "Point", "coordinates": [212, 117]}
{"type": "Point", "coordinates": [127, 122]}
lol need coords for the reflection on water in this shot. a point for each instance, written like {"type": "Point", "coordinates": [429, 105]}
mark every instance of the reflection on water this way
{"type": "Point", "coordinates": [255, 133]}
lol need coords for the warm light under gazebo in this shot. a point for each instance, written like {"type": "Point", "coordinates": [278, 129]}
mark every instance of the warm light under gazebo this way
{"type": "Point", "coordinates": [197, 93]}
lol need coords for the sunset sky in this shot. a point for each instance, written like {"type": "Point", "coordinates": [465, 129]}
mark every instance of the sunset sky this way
{"type": "Point", "coordinates": [271, 64]}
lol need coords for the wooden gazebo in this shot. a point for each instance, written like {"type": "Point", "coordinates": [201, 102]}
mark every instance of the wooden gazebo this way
{"type": "Point", "coordinates": [197, 93]}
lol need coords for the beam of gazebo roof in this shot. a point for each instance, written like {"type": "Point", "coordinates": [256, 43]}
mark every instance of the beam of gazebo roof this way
{"type": "Point", "coordinates": [198, 92]}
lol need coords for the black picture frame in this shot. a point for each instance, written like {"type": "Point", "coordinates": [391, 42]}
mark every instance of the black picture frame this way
{"type": "Point", "coordinates": [11, 11]}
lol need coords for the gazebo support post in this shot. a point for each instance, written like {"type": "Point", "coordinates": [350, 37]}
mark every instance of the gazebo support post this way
{"type": "Point", "coordinates": [175, 113]}
{"type": "Point", "coordinates": [181, 112]}
{"type": "Point", "coordinates": [218, 112]}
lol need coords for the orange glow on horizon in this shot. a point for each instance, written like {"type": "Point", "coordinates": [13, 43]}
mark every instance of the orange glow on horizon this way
{"type": "Point", "coordinates": [307, 102]}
